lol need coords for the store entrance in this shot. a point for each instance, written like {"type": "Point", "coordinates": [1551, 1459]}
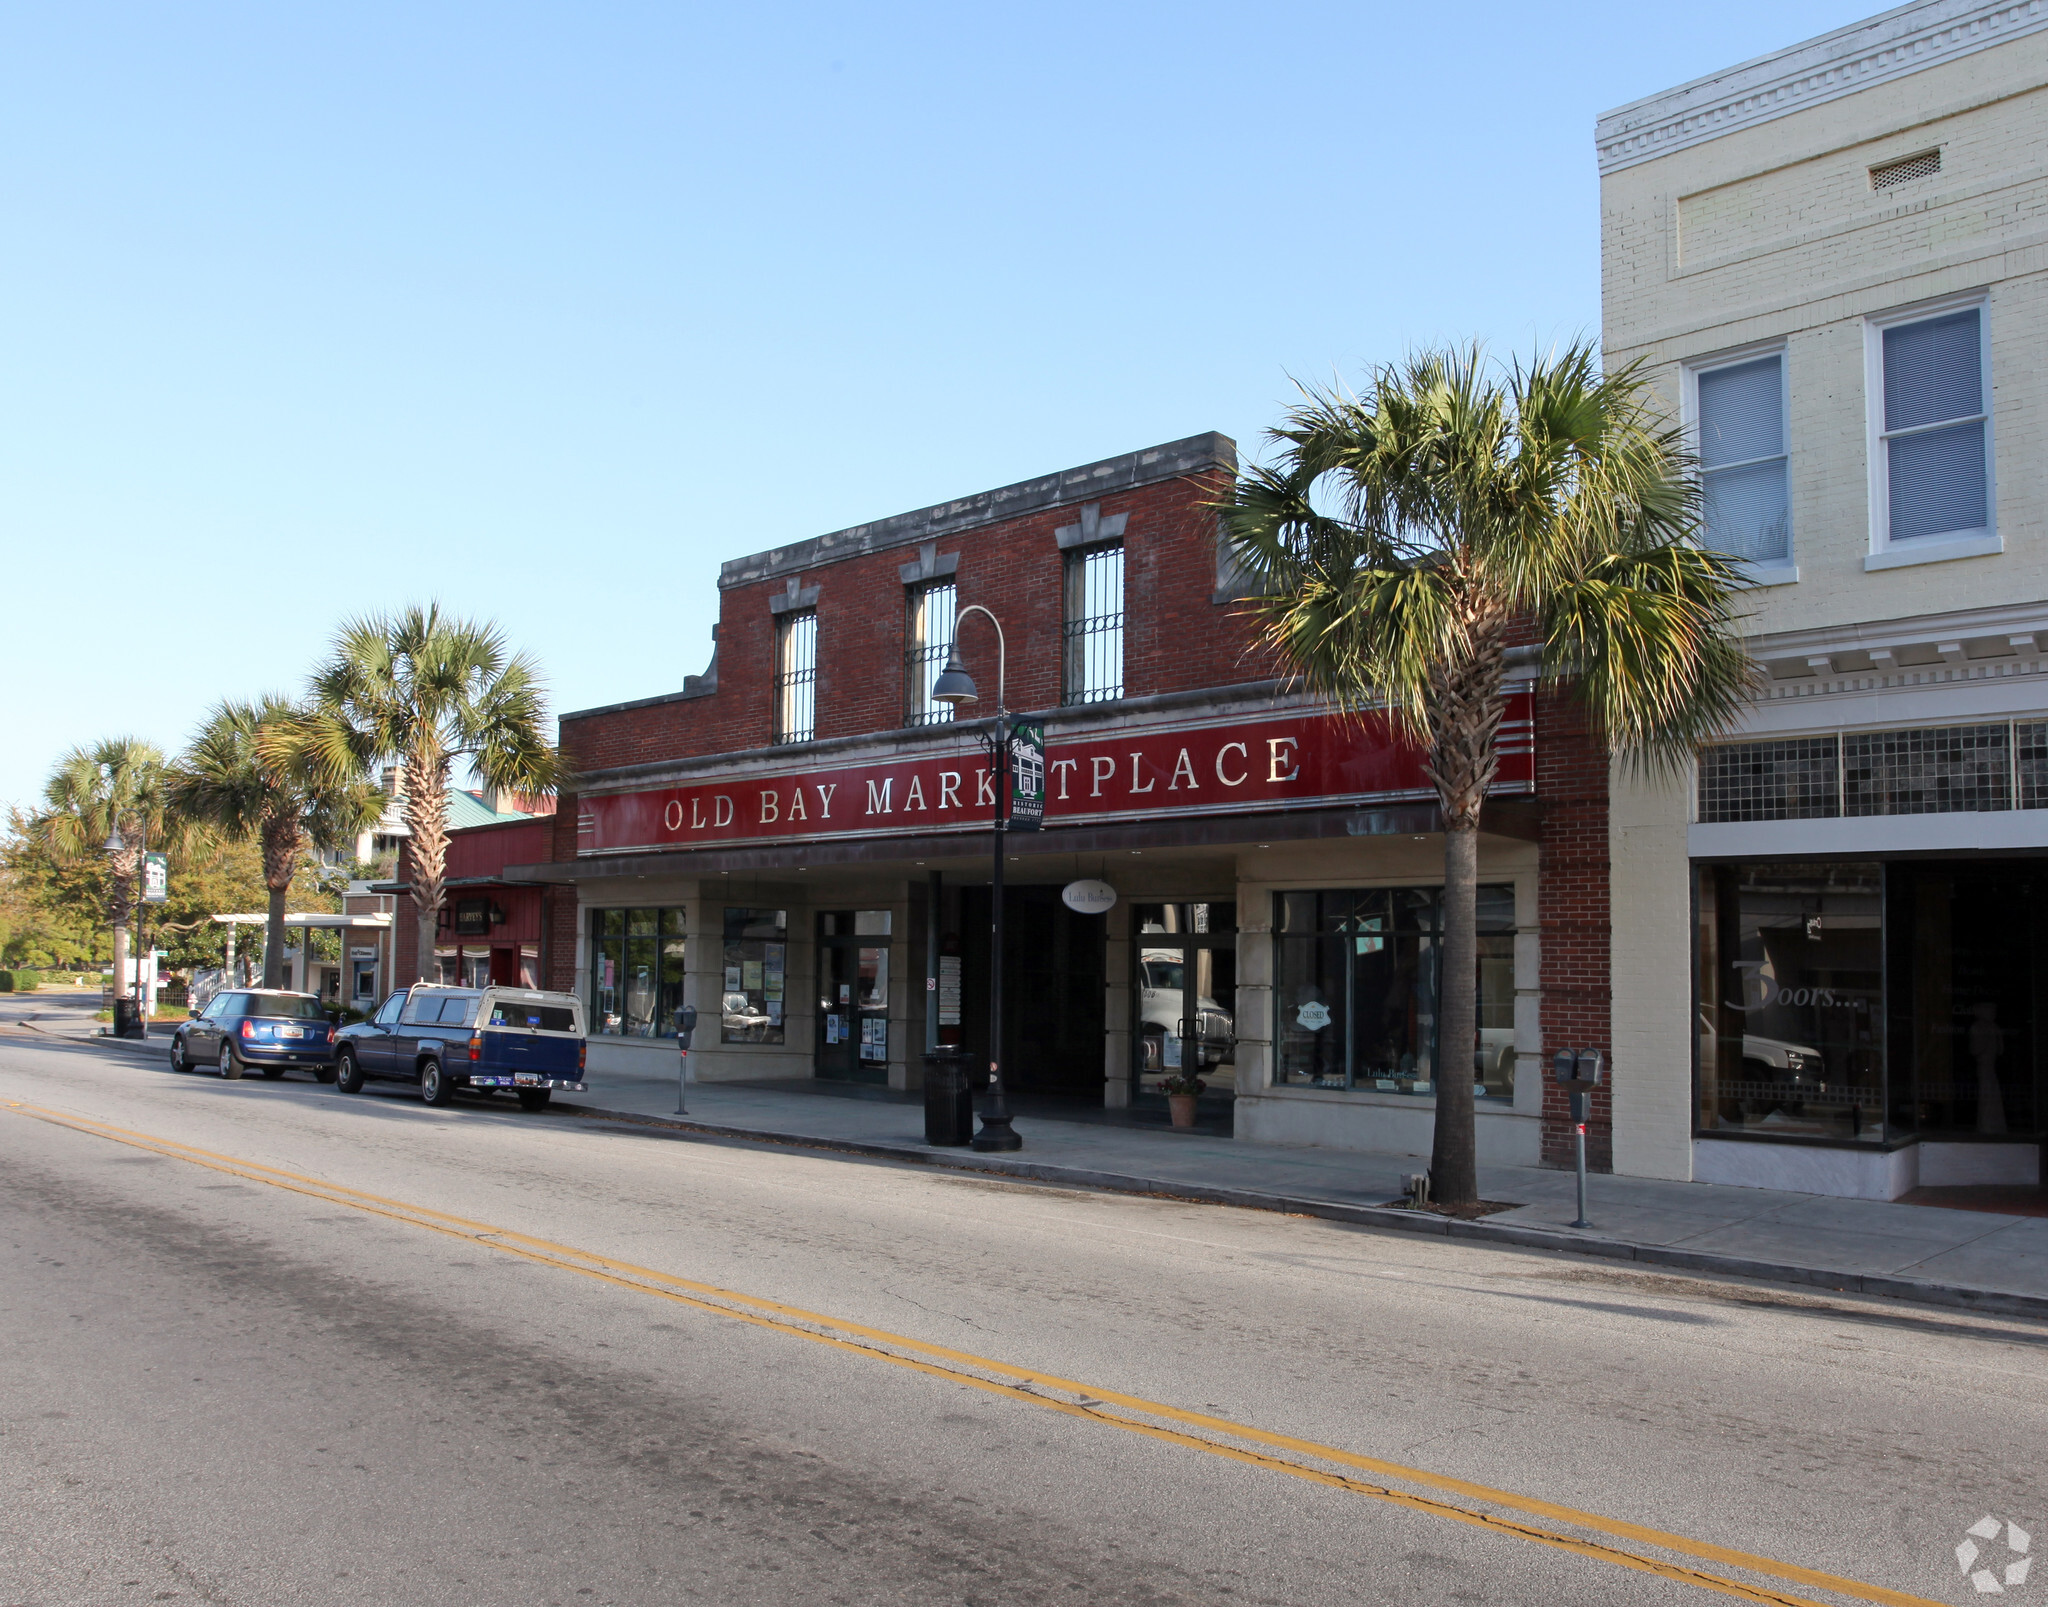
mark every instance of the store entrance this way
{"type": "Point", "coordinates": [1184, 998]}
{"type": "Point", "coordinates": [1052, 992]}
{"type": "Point", "coordinates": [853, 995]}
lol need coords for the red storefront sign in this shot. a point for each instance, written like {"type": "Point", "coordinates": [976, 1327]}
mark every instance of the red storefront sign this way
{"type": "Point", "coordinates": [1287, 761]}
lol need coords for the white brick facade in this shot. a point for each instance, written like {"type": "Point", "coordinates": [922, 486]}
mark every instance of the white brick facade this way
{"type": "Point", "coordinates": [1740, 212]}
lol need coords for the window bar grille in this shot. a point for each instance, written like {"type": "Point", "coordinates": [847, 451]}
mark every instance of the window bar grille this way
{"type": "Point", "coordinates": [1094, 627]}
{"type": "Point", "coordinates": [796, 679]}
{"type": "Point", "coordinates": [932, 610]}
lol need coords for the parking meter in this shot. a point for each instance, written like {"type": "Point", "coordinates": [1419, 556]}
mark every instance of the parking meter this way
{"type": "Point", "coordinates": [686, 1024]}
{"type": "Point", "coordinates": [1580, 1071]}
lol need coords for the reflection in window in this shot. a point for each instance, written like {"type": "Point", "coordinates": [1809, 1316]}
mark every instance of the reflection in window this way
{"type": "Point", "coordinates": [1791, 1000]}
{"type": "Point", "coordinates": [636, 972]}
{"type": "Point", "coordinates": [756, 968]}
{"type": "Point", "coordinates": [1356, 990]}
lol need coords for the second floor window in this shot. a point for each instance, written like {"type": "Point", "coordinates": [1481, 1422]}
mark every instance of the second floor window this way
{"type": "Point", "coordinates": [1936, 426]}
{"type": "Point", "coordinates": [929, 640]}
{"type": "Point", "coordinates": [1093, 667]}
{"type": "Point", "coordinates": [796, 677]}
{"type": "Point", "coordinates": [1745, 500]}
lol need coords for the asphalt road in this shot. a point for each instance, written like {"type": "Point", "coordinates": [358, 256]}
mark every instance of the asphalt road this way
{"type": "Point", "coordinates": [266, 1343]}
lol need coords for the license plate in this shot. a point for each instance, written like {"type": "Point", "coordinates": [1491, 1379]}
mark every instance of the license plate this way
{"type": "Point", "coordinates": [291, 1032]}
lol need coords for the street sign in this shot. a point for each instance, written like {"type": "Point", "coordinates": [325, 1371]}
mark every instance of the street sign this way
{"type": "Point", "coordinates": [1027, 777]}
{"type": "Point", "coordinates": [156, 879]}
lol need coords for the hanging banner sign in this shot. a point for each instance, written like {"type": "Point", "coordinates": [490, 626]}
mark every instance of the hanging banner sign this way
{"type": "Point", "coordinates": [156, 879]}
{"type": "Point", "coordinates": [1027, 777]}
{"type": "Point", "coordinates": [1219, 766]}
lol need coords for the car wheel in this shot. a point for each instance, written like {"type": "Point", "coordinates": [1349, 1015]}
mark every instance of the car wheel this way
{"type": "Point", "coordinates": [178, 1060]}
{"type": "Point", "coordinates": [323, 1074]}
{"type": "Point", "coordinates": [348, 1076]}
{"type": "Point", "coordinates": [435, 1088]}
{"type": "Point", "coordinates": [534, 1098]}
{"type": "Point", "coordinates": [230, 1065]}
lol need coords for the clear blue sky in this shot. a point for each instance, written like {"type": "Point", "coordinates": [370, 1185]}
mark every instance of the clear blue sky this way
{"type": "Point", "coordinates": [544, 310]}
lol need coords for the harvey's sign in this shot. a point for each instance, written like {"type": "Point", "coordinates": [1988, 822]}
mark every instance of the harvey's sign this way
{"type": "Point", "coordinates": [1214, 767]}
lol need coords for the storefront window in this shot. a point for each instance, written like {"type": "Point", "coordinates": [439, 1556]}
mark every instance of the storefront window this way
{"type": "Point", "coordinates": [1967, 958]}
{"type": "Point", "coordinates": [1791, 1000]}
{"type": "Point", "coordinates": [756, 964]}
{"type": "Point", "coordinates": [1184, 918]}
{"type": "Point", "coordinates": [1355, 990]}
{"type": "Point", "coordinates": [636, 971]}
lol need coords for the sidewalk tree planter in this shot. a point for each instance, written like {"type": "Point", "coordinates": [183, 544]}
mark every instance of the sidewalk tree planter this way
{"type": "Point", "coordinates": [1412, 542]}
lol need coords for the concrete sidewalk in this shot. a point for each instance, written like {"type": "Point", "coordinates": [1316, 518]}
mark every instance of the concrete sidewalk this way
{"type": "Point", "coordinates": [1977, 1259]}
{"type": "Point", "coordinates": [1980, 1260]}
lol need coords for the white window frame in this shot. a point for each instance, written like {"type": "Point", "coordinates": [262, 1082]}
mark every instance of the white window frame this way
{"type": "Point", "coordinates": [1884, 552]}
{"type": "Point", "coordinates": [1757, 574]}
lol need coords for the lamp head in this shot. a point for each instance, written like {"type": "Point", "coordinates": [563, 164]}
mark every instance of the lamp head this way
{"type": "Point", "coordinates": [113, 844]}
{"type": "Point", "coordinates": [954, 685]}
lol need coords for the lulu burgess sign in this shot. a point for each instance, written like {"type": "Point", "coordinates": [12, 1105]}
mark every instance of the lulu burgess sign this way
{"type": "Point", "coordinates": [1215, 767]}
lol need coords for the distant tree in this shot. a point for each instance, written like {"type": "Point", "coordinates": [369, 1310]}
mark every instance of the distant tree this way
{"type": "Point", "coordinates": [247, 777]}
{"type": "Point", "coordinates": [1408, 534]}
{"type": "Point", "coordinates": [114, 787]}
{"type": "Point", "coordinates": [428, 691]}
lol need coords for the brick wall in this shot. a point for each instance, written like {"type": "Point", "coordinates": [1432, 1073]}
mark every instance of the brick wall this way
{"type": "Point", "coordinates": [1571, 786]}
{"type": "Point", "coordinates": [1176, 636]}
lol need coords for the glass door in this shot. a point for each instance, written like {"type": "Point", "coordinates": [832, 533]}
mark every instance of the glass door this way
{"type": "Point", "coordinates": [853, 995]}
{"type": "Point", "coordinates": [1185, 1009]}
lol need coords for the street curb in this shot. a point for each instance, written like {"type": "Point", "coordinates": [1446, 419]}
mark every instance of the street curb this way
{"type": "Point", "coordinates": [1887, 1285]}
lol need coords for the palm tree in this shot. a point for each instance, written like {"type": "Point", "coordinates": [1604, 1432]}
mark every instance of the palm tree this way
{"type": "Point", "coordinates": [247, 775]}
{"type": "Point", "coordinates": [428, 690]}
{"type": "Point", "coordinates": [102, 806]}
{"type": "Point", "coordinates": [1409, 537]}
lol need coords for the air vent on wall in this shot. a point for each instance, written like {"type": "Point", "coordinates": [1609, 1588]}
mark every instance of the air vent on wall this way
{"type": "Point", "coordinates": [1887, 175]}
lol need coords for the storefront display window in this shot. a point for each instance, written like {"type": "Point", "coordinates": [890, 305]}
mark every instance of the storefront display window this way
{"type": "Point", "coordinates": [1967, 964]}
{"type": "Point", "coordinates": [1791, 1000]}
{"type": "Point", "coordinates": [1183, 918]}
{"type": "Point", "coordinates": [636, 972]}
{"type": "Point", "coordinates": [1355, 990]}
{"type": "Point", "coordinates": [756, 970]}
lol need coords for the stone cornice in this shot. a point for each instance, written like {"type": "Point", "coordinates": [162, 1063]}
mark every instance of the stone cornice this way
{"type": "Point", "coordinates": [1198, 454]}
{"type": "Point", "coordinates": [1860, 56]}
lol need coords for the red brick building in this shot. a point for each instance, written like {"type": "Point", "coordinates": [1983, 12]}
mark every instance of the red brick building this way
{"type": "Point", "coordinates": [798, 840]}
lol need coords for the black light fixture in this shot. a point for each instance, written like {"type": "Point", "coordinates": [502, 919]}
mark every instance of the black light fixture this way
{"type": "Point", "coordinates": [114, 844]}
{"type": "Point", "coordinates": [954, 685]}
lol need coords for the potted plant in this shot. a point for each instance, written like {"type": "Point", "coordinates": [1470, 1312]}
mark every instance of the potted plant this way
{"type": "Point", "coordinates": [1182, 1090]}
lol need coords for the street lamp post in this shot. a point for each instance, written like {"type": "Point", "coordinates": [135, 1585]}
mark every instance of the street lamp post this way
{"type": "Point", "coordinates": [955, 686]}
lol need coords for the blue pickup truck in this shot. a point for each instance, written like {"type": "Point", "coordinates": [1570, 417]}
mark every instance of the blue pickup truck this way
{"type": "Point", "coordinates": [440, 1039]}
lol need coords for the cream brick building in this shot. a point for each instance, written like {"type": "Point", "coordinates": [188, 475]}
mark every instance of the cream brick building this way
{"type": "Point", "coordinates": [1830, 954]}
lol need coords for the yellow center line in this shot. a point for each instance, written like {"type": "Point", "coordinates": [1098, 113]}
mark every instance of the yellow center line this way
{"type": "Point", "coordinates": [1029, 1384]}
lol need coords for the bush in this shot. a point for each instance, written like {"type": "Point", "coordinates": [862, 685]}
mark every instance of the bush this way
{"type": "Point", "coordinates": [19, 981]}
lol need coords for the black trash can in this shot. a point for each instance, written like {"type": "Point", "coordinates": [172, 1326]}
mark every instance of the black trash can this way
{"type": "Point", "coordinates": [948, 1100]}
{"type": "Point", "coordinates": [128, 1018]}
